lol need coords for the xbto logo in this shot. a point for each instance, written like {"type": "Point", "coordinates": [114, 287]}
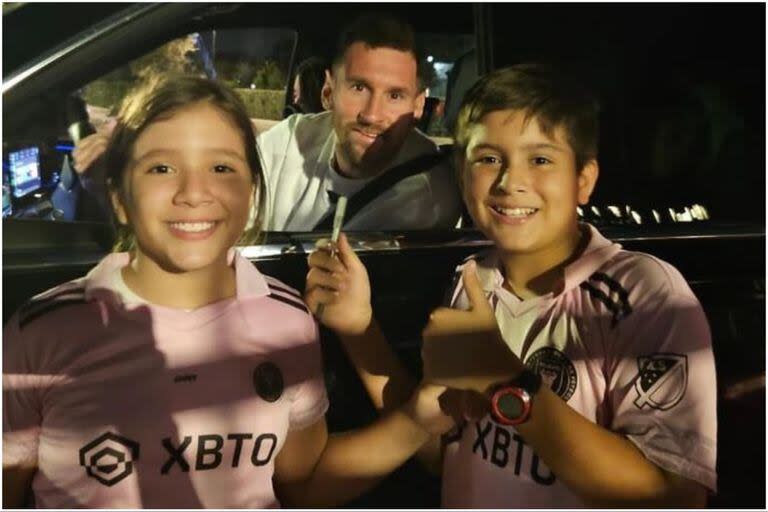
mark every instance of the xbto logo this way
{"type": "Point", "coordinates": [109, 458]}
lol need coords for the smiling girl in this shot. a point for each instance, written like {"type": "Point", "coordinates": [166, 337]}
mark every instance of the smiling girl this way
{"type": "Point", "coordinates": [175, 374]}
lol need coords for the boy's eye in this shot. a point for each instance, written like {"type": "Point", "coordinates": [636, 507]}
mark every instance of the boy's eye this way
{"type": "Point", "coordinates": [489, 160]}
{"type": "Point", "coordinates": [221, 168]}
{"type": "Point", "coordinates": [541, 160]}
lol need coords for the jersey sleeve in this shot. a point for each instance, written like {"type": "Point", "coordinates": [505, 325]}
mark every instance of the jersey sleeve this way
{"type": "Point", "coordinates": [310, 402]}
{"type": "Point", "coordinates": [23, 387]}
{"type": "Point", "coordinates": [662, 391]}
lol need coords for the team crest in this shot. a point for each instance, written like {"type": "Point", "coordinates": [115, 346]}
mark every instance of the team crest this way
{"type": "Point", "coordinates": [556, 371]}
{"type": "Point", "coordinates": [661, 380]}
{"type": "Point", "coordinates": [268, 381]}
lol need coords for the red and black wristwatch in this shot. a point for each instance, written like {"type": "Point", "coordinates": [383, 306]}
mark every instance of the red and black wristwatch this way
{"type": "Point", "coordinates": [511, 402]}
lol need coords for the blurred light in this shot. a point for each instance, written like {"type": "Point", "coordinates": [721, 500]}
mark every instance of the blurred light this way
{"type": "Point", "coordinates": [636, 216]}
{"type": "Point", "coordinates": [38, 195]}
{"type": "Point", "coordinates": [656, 216]}
{"type": "Point", "coordinates": [672, 214]}
{"type": "Point", "coordinates": [430, 59]}
{"type": "Point", "coordinates": [615, 211]}
{"type": "Point", "coordinates": [596, 211]}
{"type": "Point", "coordinates": [253, 86]}
{"type": "Point", "coordinates": [699, 212]}
{"type": "Point", "coordinates": [579, 211]}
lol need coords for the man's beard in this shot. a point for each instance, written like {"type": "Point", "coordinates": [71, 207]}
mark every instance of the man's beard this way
{"type": "Point", "coordinates": [372, 161]}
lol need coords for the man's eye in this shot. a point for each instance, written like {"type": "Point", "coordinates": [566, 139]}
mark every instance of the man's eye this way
{"type": "Point", "coordinates": [159, 169]}
{"type": "Point", "coordinates": [358, 87]}
{"type": "Point", "coordinates": [221, 168]}
{"type": "Point", "coordinates": [541, 160]}
{"type": "Point", "coordinates": [396, 96]}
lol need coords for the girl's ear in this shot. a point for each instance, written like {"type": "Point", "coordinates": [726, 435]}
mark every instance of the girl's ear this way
{"type": "Point", "coordinates": [117, 205]}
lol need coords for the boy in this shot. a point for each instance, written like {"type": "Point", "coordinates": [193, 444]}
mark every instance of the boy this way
{"type": "Point", "coordinates": [594, 364]}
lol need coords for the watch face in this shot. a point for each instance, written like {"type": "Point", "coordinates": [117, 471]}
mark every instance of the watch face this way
{"type": "Point", "coordinates": [511, 405]}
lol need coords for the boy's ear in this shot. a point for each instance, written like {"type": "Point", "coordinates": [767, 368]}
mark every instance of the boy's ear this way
{"type": "Point", "coordinates": [587, 180]}
{"type": "Point", "coordinates": [326, 95]}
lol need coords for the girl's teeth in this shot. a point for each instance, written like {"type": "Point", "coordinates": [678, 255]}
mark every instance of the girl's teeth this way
{"type": "Point", "coordinates": [192, 226]}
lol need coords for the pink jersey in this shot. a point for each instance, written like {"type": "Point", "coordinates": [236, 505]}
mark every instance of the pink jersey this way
{"type": "Point", "coordinates": [123, 404]}
{"type": "Point", "coordinates": [627, 345]}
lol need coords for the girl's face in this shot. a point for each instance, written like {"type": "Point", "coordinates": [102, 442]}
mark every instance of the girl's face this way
{"type": "Point", "coordinates": [187, 190]}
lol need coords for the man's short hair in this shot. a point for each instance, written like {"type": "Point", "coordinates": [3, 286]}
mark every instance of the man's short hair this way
{"type": "Point", "coordinates": [550, 96]}
{"type": "Point", "coordinates": [380, 30]}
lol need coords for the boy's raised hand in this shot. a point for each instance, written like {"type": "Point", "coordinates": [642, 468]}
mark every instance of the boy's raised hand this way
{"type": "Point", "coordinates": [465, 349]}
{"type": "Point", "coordinates": [339, 282]}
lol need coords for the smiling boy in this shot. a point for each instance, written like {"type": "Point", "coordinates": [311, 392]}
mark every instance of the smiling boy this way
{"type": "Point", "coordinates": [591, 366]}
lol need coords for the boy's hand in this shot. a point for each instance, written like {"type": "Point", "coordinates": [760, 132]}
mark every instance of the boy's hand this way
{"type": "Point", "coordinates": [464, 349]}
{"type": "Point", "coordinates": [341, 284]}
{"type": "Point", "coordinates": [425, 407]}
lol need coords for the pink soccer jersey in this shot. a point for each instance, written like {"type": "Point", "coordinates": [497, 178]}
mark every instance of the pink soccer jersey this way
{"type": "Point", "coordinates": [627, 345]}
{"type": "Point", "coordinates": [130, 405]}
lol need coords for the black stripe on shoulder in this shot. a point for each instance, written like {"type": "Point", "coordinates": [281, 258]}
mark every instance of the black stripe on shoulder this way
{"type": "Point", "coordinates": [47, 307]}
{"type": "Point", "coordinates": [613, 307]}
{"type": "Point", "coordinates": [296, 304]}
{"type": "Point", "coordinates": [615, 287]}
{"type": "Point", "coordinates": [284, 289]}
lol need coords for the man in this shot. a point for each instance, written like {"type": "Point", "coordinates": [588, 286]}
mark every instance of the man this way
{"type": "Point", "coordinates": [374, 97]}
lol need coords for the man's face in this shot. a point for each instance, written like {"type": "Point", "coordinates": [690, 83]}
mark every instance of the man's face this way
{"type": "Point", "coordinates": [522, 187]}
{"type": "Point", "coordinates": [375, 99]}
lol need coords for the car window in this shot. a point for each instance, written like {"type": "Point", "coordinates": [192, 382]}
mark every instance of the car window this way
{"type": "Point", "coordinates": [254, 62]}
{"type": "Point", "coordinates": [444, 57]}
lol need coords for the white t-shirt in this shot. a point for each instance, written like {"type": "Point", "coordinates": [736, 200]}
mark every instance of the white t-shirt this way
{"type": "Point", "coordinates": [626, 344]}
{"type": "Point", "coordinates": [297, 156]}
{"type": "Point", "coordinates": [124, 404]}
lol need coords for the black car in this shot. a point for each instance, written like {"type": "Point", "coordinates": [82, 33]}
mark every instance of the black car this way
{"type": "Point", "coordinates": [682, 160]}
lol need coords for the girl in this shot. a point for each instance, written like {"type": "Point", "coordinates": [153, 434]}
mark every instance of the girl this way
{"type": "Point", "coordinates": [174, 374]}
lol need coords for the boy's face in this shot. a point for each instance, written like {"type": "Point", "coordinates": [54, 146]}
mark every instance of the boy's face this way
{"type": "Point", "coordinates": [522, 187]}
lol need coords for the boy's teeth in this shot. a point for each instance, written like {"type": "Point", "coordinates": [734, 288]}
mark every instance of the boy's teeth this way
{"type": "Point", "coordinates": [192, 226]}
{"type": "Point", "coordinates": [515, 212]}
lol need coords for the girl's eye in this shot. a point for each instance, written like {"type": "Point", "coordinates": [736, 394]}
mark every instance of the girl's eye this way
{"type": "Point", "coordinates": [541, 160]}
{"type": "Point", "coordinates": [222, 168]}
{"type": "Point", "coordinates": [159, 169]}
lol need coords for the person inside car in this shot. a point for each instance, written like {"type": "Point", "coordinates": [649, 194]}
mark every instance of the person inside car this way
{"type": "Point", "coordinates": [374, 96]}
{"type": "Point", "coordinates": [586, 371]}
{"type": "Point", "coordinates": [175, 374]}
{"type": "Point", "coordinates": [306, 94]}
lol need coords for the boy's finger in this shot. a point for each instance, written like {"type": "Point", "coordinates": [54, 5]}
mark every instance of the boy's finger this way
{"type": "Point", "coordinates": [472, 286]}
{"type": "Point", "coordinates": [319, 295]}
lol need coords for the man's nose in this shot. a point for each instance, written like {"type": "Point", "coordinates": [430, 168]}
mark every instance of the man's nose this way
{"type": "Point", "coordinates": [372, 112]}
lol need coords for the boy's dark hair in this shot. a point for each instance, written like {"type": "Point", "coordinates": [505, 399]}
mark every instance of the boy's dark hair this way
{"type": "Point", "coordinates": [553, 98]}
{"type": "Point", "coordinates": [380, 30]}
{"type": "Point", "coordinates": [158, 98]}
